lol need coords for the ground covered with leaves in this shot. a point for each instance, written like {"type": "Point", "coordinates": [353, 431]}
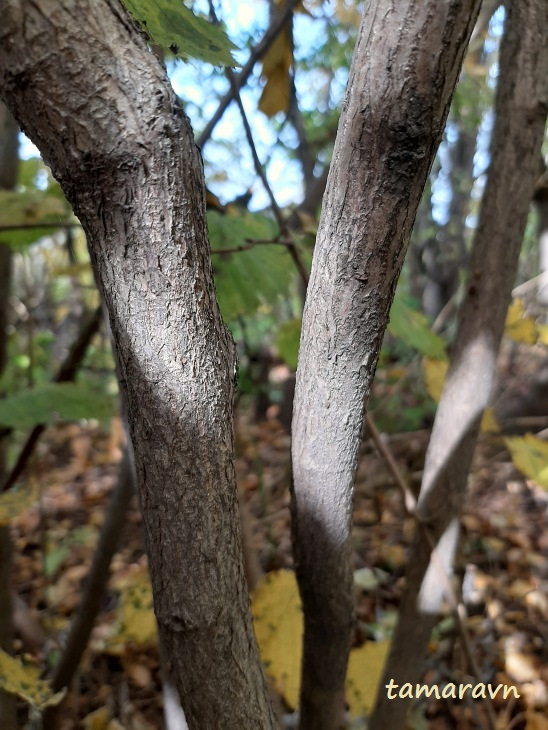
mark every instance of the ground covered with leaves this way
{"type": "Point", "coordinates": [502, 565]}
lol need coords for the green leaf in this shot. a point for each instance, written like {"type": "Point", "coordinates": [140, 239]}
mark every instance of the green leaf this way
{"type": "Point", "coordinates": [29, 207]}
{"type": "Point", "coordinates": [412, 327]}
{"type": "Point", "coordinates": [287, 342]}
{"type": "Point", "coordinates": [247, 280]}
{"type": "Point", "coordinates": [63, 401]}
{"type": "Point", "coordinates": [168, 23]}
{"type": "Point", "coordinates": [54, 559]}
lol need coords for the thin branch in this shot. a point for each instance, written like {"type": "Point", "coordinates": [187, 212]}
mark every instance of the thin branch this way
{"type": "Point", "coordinates": [34, 226]}
{"type": "Point", "coordinates": [236, 249]}
{"type": "Point", "coordinates": [303, 151]}
{"type": "Point", "coordinates": [256, 54]}
{"type": "Point", "coordinates": [66, 373]}
{"type": "Point", "coordinates": [291, 247]}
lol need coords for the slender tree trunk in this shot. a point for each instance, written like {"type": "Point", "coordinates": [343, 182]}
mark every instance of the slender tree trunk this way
{"type": "Point", "coordinates": [521, 105]}
{"type": "Point", "coordinates": [406, 63]}
{"type": "Point", "coordinates": [85, 88]}
{"type": "Point", "coordinates": [9, 164]}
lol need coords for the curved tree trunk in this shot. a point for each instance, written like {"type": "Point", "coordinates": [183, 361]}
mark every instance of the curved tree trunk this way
{"type": "Point", "coordinates": [404, 70]}
{"type": "Point", "coordinates": [520, 108]}
{"type": "Point", "coordinates": [79, 78]}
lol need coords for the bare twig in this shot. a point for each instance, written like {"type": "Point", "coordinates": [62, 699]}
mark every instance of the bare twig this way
{"type": "Point", "coordinates": [256, 54]}
{"type": "Point", "coordinates": [66, 373]}
{"type": "Point", "coordinates": [34, 226]}
{"type": "Point", "coordinates": [291, 247]}
{"type": "Point", "coordinates": [282, 223]}
{"type": "Point", "coordinates": [235, 249]}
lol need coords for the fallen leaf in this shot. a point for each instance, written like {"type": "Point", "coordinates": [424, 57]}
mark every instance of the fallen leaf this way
{"type": "Point", "coordinates": [519, 327]}
{"type": "Point", "coordinates": [530, 456]}
{"type": "Point", "coordinates": [23, 682]}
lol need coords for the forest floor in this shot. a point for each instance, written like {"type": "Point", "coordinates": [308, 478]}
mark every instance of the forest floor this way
{"type": "Point", "coordinates": [503, 559]}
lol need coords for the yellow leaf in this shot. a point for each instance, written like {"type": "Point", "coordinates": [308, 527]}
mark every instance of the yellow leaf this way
{"type": "Point", "coordinates": [137, 621]}
{"type": "Point", "coordinates": [98, 719]}
{"type": "Point", "coordinates": [535, 720]}
{"type": "Point", "coordinates": [347, 12]}
{"type": "Point", "coordinates": [20, 681]}
{"type": "Point", "coordinates": [364, 674]}
{"type": "Point", "coordinates": [530, 456]}
{"type": "Point", "coordinates": [434, 372]}
{"type": "Point", "coordinates": [278, 621]}
{"type": "Point", "coordinates": [519, 327]}
{"type": "Point", "coordinates": [16, 501]}
{"type": "Point", "coordinates": [489, 423]}
{"type": "Point", "coordinates": [277, 65]}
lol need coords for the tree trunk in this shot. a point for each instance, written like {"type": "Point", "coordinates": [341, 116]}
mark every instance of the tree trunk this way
{"type": "Point", "coordinates": [79, 78]}
{"type": "Point", "coordinates": [520, 108]}
{"type": "Point", "coordinates": [405, 67]}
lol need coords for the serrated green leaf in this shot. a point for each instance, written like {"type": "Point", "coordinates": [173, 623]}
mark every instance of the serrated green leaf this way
{"type": "Point", "coordinates": [170, 24]}
{"type": "Point", "coordinates": [246, 280]}
{"type": "Point", "coordinates": [62, 401]}
{"type": "Point", "coordinates": [412, 327]}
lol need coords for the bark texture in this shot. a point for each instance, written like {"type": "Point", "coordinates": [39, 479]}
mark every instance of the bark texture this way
{"type": "Point", "coordinates": [402, 78]}
{"type": "Point", "coordinates": [79, 78]}
{"type": "Point", "coordinates": [520, 108]}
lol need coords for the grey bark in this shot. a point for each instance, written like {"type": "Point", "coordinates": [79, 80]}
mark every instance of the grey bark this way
{"type": "Point", "coordinates": [520, 108]}
{"type": "Point", "coordinates": [405, 66]}
{"type": "Point", "coordinates": [9, 164]}
{"type": "Point", "coordinates": [97, 103]}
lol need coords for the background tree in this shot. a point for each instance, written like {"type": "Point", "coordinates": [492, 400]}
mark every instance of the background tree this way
{"type": "Point", "coordinates": [520, 108]}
